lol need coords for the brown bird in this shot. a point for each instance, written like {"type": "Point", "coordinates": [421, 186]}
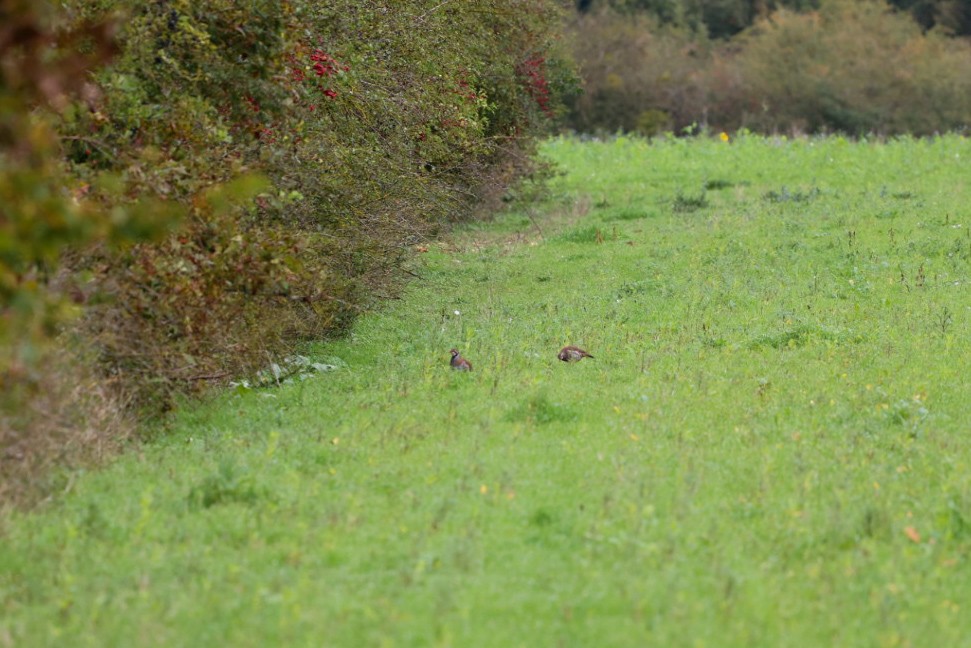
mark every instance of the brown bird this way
{"type": "Point", "coordinates": [458, 362]}
{"type": "Point", "coordinates": [572, 354]}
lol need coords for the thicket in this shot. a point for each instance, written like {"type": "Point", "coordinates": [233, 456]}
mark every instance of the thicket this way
{"type": "Point", "coordinates": [851, 66]}
{"type": "Point", "coordinates": [188, 189]}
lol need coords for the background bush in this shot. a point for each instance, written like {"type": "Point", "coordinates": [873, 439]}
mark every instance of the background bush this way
{"type": "Point", "coordinates": [220, 180]}
{"type": "Point", "coordinates": [853, 67]}
{"type": "Point", "coordinates": [850, 66]}
{"type": "Point", "coordinates": [640, 76]}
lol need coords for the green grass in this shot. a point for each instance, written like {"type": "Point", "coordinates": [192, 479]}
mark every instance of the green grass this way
{"type": "Point", "coordinates": [771, 447]}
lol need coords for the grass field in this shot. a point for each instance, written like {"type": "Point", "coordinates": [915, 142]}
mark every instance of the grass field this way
{"type": "Point", "coordinates": [771, 447]}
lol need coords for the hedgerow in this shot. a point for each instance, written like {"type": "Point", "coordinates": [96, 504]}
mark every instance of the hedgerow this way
{"type": "Point", "coordinates": [234, 177]}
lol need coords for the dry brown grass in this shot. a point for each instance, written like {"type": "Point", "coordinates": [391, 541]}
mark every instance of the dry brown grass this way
{"type": "Point", "coordinates": [63, 415]}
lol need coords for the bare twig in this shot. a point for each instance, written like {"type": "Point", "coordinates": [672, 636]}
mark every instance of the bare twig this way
{"type": "Point", "coordinates": [422, 17]}
{"type": "Point", "coordinates": [529, 215]}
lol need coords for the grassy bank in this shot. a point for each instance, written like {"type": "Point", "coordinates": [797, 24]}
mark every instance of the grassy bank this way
{"type": "Point", "coordinates": [770, 447]}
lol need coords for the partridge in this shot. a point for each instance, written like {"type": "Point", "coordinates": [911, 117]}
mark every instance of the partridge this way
{"type": "Point", "coordinates": [572, 354]}
{"type": "Point", "coordinates": [458, 362]}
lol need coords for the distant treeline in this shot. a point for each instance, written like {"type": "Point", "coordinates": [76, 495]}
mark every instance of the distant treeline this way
{"type": "Point", "coordinates": [853, 66]}
{"type": "Point", "coordinates": [725, 18]}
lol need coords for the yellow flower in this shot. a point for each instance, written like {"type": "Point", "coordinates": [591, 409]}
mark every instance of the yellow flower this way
{"type": "Point", "coordinates": [723, 136]}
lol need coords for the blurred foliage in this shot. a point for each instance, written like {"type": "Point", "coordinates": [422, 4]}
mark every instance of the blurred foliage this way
{"type": "Point", "coordinates": [188, 189]}
{"type": "Point", "coordinates": [43, 207]}
{"type": "Point", "coordinates": [855, 66]}
{"type": "Point", "coordinates": [37, 216]}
